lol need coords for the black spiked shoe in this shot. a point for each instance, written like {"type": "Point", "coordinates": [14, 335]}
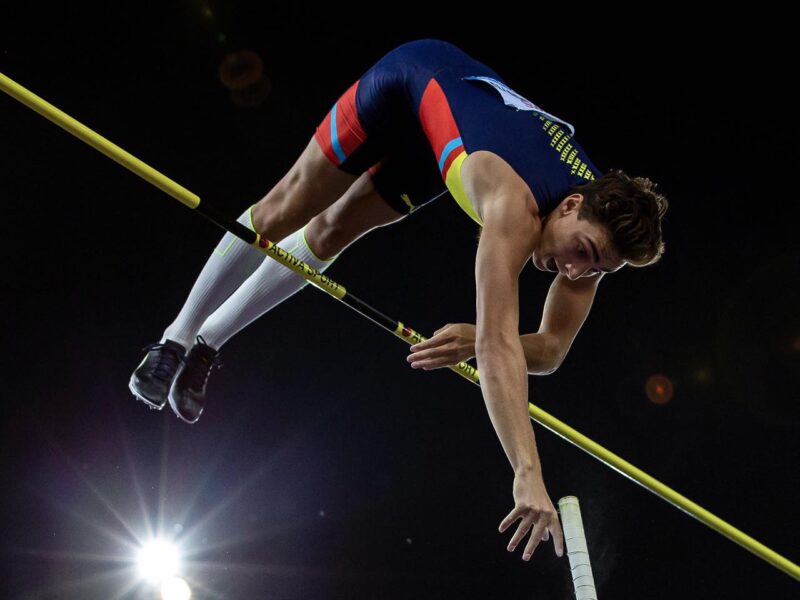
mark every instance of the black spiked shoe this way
{"type": "Point", "coordinates": [153, 377]}
{"type": "Point", "coordinates": [187, 396]}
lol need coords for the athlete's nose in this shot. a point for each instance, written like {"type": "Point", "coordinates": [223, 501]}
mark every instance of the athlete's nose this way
{"type": "Point", "coordinates": [574, 272]}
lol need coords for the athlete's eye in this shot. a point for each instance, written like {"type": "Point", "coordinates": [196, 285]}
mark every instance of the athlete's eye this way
{"type": "Point", "coordinates": [581, 250]}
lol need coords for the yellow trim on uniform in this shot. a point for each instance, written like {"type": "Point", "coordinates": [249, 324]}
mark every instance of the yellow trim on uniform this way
{"type": "Point", "coordinates": [407, 200]}
{"type": "Point", "coordinates": [456, 187]}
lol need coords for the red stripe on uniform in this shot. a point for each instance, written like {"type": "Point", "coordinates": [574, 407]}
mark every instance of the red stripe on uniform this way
{"type": "Point", "coordinates": [349, 132]}
{"type": "Point", "coordinates": [438, 123]}
{"type": "Point", "coordinates": [323, 137]}
{"type": "Point", "coordinates": [347, 121]}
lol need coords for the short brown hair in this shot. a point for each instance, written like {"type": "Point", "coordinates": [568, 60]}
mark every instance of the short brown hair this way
{"type": "Point", "coordinates": [631, 210]}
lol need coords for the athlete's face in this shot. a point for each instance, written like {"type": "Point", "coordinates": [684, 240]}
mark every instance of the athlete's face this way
{"type": "Point", "coordinates": [574, 247]}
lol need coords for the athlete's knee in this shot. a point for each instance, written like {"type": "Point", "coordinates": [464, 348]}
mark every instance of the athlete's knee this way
{"type": "Point", "coordinates": [263, 214]}
{"type": "Point", "coordinates": [307, 189]}
{"type": "Point", "coordinates": [281, 208]}
{"type": "Point", "coordinates": [327, 236]}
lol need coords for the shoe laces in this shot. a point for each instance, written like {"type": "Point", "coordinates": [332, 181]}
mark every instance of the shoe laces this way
{"type": "Point", "coordinates": [166, 362]}
{"type": "Point", "coordinates": [203, 359]}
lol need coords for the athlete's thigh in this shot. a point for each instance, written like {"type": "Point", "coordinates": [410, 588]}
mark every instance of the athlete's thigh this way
{"type": "Point", "coordinates": [359, 210]}
{"type": "Point", "coordinates": [408, 179]}
{"type": "Point", "coordinates": [309, 187]}
{"type": "Point", "coordinates": [344, 145]}
{"type": "Point", "coordinates": [386, 193]}
{"type": "Point", "coordinates": [373, 127]}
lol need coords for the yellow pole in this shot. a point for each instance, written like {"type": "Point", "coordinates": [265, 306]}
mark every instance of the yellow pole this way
{"type": "Point", "coordinates": [98, 142]}
{"type": "Point", "coordinates": [464, 369]}
{"type": "Point", "coordinates": [667, 493]}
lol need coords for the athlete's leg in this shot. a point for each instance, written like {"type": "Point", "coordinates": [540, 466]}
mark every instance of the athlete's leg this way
{"type": "Point", "coordinates": [230, 263]}
{"type": "Point", "coordinates": [389, 190]}
{"type": "Point", "coordinates": [318, 244]}
{"type": "Point", "coordinates": [344, 146]}
{"type": "Point", "coordinates": [310, 185]}
{"type": "Point", "coordinates": [367, 124]}
{"type": "Point", "coordinates": [358, 212]}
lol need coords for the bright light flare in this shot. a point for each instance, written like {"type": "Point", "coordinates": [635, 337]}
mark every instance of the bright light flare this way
{"type": "Point", "coordinates": [175, 588]}
{"type": "Point", "coordinates": [158, 561]}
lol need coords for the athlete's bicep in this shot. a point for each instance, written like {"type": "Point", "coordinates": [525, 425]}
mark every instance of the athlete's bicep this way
{"type": "Point", "coordinates": [510, 234]}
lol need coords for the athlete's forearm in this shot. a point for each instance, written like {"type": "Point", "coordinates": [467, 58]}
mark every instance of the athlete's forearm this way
{"type": "Point", "coordinates": [504, 384]}
{"type": "Point", "coordinates": [542, 353]}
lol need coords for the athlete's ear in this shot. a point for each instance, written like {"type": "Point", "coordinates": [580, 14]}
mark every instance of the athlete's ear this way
{"type": "Point", "coordinates": [570, 204]}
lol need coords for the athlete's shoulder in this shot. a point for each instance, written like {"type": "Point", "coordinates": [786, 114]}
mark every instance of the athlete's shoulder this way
{"type": "Point", "coordinates": [487, 176]}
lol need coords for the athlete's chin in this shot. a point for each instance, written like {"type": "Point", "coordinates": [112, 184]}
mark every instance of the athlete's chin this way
{"type": "Point", "coordinates": [547, 264]}
{"type": "Point", "coordinates": [539, 263]}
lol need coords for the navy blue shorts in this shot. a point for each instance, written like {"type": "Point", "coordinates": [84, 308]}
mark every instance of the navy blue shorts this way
{"type": "Point", "coordinates": [375, 126]}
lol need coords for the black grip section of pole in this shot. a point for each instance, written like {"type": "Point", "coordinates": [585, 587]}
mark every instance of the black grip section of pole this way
{"type": "Point", "coordinates": [371, 313]}
{"type": "Point", "coordinates": [213, 214]}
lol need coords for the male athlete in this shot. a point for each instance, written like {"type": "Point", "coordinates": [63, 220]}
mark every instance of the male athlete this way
{"type": "Point", "coordinates": [424, 120]}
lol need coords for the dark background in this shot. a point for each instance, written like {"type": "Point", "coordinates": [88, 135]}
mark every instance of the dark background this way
{"type": "Point", "coordinates": [323, 466]}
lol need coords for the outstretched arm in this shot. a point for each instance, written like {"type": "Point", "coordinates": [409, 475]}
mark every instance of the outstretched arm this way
{"type": "Point", "coordinates": [511, 232]}
{"type": "Point", "coordinates": [509, 236]}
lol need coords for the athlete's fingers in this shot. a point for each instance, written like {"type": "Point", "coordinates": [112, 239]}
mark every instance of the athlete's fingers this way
{"type": "Point", "coordinates": [546, 535]}
{"type": "Point", "coordinates": [422, 354]}
{"type": "Point", "coordinates": [420, 345]}
{"type": "Point", "coordinates": [539, 529]}
{"type": "Point", "coordinates": [522, 530]}
{"type": "Point", "coordinates": [558, 535]}
{"type": "Point", "coordinates": [532, 544]}
{"type": "Point", "coordinates": [515, 514]}
{"type": "Point", "coordinates": [442, 328]}
{"type": "Point", "coordinates": [435, 357]}
{"type": "Point", "coordinates": [432, 341]}
{"type": "Point", "coordinates": [427, 365]}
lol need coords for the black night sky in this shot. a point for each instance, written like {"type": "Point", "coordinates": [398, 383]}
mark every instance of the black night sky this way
{"type": "Point", "coordinates": [324, 467]}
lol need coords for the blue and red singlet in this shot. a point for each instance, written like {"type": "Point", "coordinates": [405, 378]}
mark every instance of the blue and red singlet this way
{"type": "Point", "coordinates": [416, 114]}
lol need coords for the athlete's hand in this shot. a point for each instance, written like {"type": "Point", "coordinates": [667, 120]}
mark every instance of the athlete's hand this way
{"type": "Point", "coordinates": [449, 345]}
{"type": "Point", "coordinates": [533, 505]}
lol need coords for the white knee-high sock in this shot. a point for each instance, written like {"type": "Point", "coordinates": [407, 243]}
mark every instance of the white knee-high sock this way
{"type": "Point", "coordinates": [230, 263]}
{"type": "Point", "coordinates": [271, 284]}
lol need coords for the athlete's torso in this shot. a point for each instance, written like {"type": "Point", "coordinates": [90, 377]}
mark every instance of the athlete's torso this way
{"type": "Point", "coordinates": [539, 147]}
{"type": "Point", "coordinates": [464, 106]}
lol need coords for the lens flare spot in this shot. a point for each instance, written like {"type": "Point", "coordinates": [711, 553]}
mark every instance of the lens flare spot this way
{"type": "Point", "coordinates": [175, 588]}
{"type": "Point", "coordinates": [658, 389]}
{"type": "Point", "coordinates": [240, 70]}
